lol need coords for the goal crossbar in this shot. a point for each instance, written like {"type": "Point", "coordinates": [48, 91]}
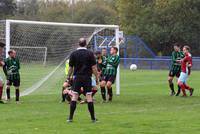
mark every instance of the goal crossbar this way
{"type": "Point", "coordinates": [63, 24]}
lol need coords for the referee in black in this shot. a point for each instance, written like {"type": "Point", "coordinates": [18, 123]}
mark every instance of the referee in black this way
{"type": "Point", "coordinates": [82, 64]}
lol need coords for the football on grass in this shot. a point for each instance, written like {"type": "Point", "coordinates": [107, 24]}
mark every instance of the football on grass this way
{"type": "Point", "coordinates": [133, 67]}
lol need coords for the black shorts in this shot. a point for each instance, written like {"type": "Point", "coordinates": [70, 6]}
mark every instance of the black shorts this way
{"type": "Point", "coordinates": [173, 73]}
{"type": "Point", "coordinates": [84, 82]}
{"type": "Point", "coordinates": [110, 78]}
{"type": "Point", "coordinates": [15, 83]}
{"type": "Point", "coordinates": [100, 77]}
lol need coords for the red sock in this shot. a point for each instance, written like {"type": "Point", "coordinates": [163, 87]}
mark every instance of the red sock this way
{"type": "Point", "coordinates": [183, 89]}
{"type": "Point", "coordinates": [1, 92]}
{"type": "Point", "coordinates": [187, 87]}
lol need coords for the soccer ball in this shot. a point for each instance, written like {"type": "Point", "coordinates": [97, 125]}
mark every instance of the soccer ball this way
{"type": "Point", "coordinates": [133, 67]}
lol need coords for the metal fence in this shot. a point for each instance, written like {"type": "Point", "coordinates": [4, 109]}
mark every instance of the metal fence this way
{"type": "Point", "coordinates": [157, 63]}
{"type": "Point", "coordinates": [135, 51]}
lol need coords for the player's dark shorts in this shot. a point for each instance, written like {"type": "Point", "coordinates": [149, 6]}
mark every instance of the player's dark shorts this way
{"type": "Point", "coordinates": [82, 81]}
{"type": "Point", "coordinates": [15, 82]}
{"type": "Point", "coordinates": [100, 77]}
{"type": "Point", "coordinates": [173, 73]}
{"type": "Point", "coordinates": [110, 78]}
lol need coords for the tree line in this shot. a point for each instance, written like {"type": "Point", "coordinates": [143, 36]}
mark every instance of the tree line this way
{"type": "Point", "coordinates": [160, 23]}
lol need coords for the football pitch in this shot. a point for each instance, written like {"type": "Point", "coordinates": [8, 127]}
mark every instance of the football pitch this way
{"type": "Point", "coordinates": [144, 107]}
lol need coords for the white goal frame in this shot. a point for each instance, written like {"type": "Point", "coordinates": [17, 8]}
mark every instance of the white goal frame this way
{"type": "Point", "coordinates": [114, 27]}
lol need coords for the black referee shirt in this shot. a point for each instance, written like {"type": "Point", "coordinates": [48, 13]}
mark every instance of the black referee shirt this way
{"type": "Point", "coordinates": [82, 61]}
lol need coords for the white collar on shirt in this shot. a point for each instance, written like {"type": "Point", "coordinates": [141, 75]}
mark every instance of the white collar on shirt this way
{"type": "Point", "coordinates": [81, 48]}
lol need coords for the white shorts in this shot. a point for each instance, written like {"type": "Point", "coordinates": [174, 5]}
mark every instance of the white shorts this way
{"type": "Point", "coordinates": [94, 84]}
{"type": "Point", "coordinates": [183, 77]}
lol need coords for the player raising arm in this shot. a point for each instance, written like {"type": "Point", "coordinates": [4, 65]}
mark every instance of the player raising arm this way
{"type": "Point", "coordinates": [11, 71]}
{"type": "Point", "coordinates": [2, 45]}
{"type": "Point", "coordinates": [110, 72]}
{"type": "Point", "coordinates": [186, 65]}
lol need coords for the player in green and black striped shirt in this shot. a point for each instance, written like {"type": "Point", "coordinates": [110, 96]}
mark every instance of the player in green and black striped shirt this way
{"type": "Point", "coordinates": [175, 69]}
{"type": "Point", "coordinates": [110, 72]}
{"type": "Point", "coordinates": [11, 70]}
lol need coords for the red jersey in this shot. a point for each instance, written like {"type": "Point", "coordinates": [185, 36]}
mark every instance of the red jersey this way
{"type": "Point", "coordinates": [186, 63]}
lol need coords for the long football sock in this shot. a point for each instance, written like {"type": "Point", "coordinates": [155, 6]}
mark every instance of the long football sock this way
{"type": "Point", "coordinates": [183, 89]}
{"type": "Point", "coordinates": [171, 85]}
{"type": "Point", "coordinates": [91, 110]}
{"type": "Point", "coordinates": [187, 87]}
{"type": "Point", "coordinates": [179, 91]}
{"type": "Point", "coordinates": [63, 95]}
{"type": "Point", "coordinates": [72, 109]}
{"type": "Point", "coordinates": [1, 92]}
{"type": "Point", "coordinates": [17, 94]}
{"type": "Point", "coordinates": [8, 92]}
{"type": "Point", "coordinates": [103, 93]}
{"type": "Point", "coordinates": [110, 93]}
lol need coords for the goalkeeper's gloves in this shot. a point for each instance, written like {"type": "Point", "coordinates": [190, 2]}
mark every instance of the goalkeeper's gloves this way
{"type": "Point", "coordinates": [68, 79]}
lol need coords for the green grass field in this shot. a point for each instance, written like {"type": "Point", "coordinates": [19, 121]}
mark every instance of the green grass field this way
{"type": "Point", "coordinates": [144, 107]}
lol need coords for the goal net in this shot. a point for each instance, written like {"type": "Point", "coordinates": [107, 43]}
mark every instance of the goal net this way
{"type": "Point", "coordinates": [43, 48]}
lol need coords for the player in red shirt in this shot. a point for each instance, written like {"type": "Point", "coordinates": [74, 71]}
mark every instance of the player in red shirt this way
{"type": "Point", "coordinates": [186, 65]}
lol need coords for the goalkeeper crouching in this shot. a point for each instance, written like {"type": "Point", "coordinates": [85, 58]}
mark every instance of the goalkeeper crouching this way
{"type": "Point", "coordinates": [67, 86]}
{"type": "Point", "coordinates": [67, 95]}
{"type": "Point", "coordinates": [11, 70]}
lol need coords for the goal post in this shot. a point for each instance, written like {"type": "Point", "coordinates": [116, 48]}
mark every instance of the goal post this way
{"type": "Point", "coordinates": [7, 38]}
{"type": "Point", "coordinates": [118, 70]}
{"type": "Point", "coordinates": [50, 43]}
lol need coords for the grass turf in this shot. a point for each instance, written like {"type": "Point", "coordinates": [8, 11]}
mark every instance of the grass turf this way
{"type": "Point", "coordinates": [144, 106]}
